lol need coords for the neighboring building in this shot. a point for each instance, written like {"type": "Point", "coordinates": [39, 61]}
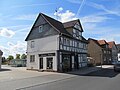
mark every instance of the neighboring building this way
{"type": "Point", "coordinates": [114, 49]}
{"type": "Point", "coordinates": [18, 62]}
{"type": "Point", "coordinates": [56, 46]}
{"type": "Point", "coordinates": [1, 53]}
{"type": "Point", "coordinates": [118, 47]}
{"type": "Point", "coordinates": [99, 52]}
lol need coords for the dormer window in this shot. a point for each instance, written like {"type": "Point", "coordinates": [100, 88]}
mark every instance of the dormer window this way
{"type": "Point", "coordinates": [77, 26]}
{"type": "Point", "coordinates": [40, 28]}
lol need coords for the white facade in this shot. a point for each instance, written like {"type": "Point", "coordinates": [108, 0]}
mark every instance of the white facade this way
{"type": "Point", "coordinates": [51, 47]}
{"type": "Point", "coordinates": [42, 46]}
{"type": "Point", "coordinates": [118, 56]}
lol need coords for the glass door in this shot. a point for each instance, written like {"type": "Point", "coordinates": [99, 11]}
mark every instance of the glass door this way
{"type": "Point", "coordinates": [49, 63]}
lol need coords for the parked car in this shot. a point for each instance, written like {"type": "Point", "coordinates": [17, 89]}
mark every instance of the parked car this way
{"type": "Point", "coordinates": [117, 66]}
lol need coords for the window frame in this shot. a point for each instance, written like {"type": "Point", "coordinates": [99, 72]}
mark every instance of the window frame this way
{"type": "Point", "coordinates": [40, 28]}
{"type": "Point", "coordinates": [32, 58]}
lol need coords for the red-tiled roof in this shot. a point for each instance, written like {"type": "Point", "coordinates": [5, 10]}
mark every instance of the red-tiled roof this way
{"type": "Point", "coordinates": [102, 42]}
{"type": "Point", "coordinates": [111, 44]}
{"type": "Point", "coordinates": [96, 41]}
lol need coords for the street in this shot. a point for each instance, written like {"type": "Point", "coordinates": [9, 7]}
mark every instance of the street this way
{"type": "Point", "coordinates": [105, 79]}
{"type": "Point", "coordinates": [93, 78]}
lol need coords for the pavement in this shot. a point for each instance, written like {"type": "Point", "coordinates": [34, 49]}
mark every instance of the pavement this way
{"type": "Point", "coordinates": [20, 78]}
{"type": "Point", "coordinates": [8, 73]}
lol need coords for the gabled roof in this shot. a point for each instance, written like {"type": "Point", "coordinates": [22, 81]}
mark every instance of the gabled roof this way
{"type": "Point", "coordinates": [95, 41]}
{"type": "Point", "coordinates": [58, 26]}
{"type": "Point", "coordinates": [111, 44]}
{"type": "Point", "coordinates": [72, 24]}
{"type": "Point", "coordinates": [102, 42]}
{"type": "Point", "coordinates": [55, 24]}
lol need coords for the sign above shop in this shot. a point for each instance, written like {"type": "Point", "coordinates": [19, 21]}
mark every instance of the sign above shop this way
{"type": "Point", "coordinates": [46, 54]}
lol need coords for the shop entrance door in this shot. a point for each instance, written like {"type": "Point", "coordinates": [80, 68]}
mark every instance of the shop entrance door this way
{"type": "Point", "coordinates": [41, 63]}
{"type": "Point", "coordinates": [49, 63]}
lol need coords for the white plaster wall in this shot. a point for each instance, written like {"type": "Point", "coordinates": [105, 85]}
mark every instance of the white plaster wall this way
{"type": "Point", "coordinates": [42, 45]}
{"type": "Point", "coordinates": [118, 56]}
{"type": "Point", "coordinates": [55, 63]}
{"type": "Point", "coordinates": [33, 65]}
{"type": "Point", "coordinates": [44, 63]}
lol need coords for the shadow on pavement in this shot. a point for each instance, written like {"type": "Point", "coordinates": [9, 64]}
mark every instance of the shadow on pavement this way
{"type": "Point", "coordinates": [3, 69]}
{"type": "Point", "coordinates": [104, 72]}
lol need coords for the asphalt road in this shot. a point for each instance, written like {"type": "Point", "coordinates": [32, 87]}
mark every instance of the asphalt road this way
{"type": "Point", "coordinates": [105, 79]}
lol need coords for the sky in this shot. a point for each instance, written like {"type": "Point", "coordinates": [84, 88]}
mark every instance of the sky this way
{"type": "Point", "coordinates": [100, 19]}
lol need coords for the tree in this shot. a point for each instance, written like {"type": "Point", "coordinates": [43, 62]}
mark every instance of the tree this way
{"type": "Point", "coordinates": [17, 56]}
{"type": "Point", "coordinates": [10, 57]}
{"type": "Point", "coordinates": [23, 56]}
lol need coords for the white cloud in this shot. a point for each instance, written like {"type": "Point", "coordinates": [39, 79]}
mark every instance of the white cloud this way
{"type": "Point", "coordinates": [13, 49]}
{"type": "Point", "coordinates": [64, 16]}
{"type": "Point", "coordinates": [6, 32]}
{"type": "Point", "coordinates": [26, 17]}
{"type": "Point", "coordinates": [94, 19]}
{"type": "Point", "coordinates": [91, 22]}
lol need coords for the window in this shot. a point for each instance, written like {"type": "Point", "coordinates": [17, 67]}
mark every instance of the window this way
{"type": "Point", "coordinates": [61, 46]}
{"type": "Point", "coordinates": [32, 44]}
{"type": "Point", "coordinates": [32, 58]}
{"type": "Point", "coordinates": [41, 63]}
{"type": "Point", "coordinates": [40, 29]}
{"type": "Point", "coordinates": [61, 40]}
{"type": "Point", "coordinates": [65, 41]}
{"type": "Point", "coordinates": [68, 42]}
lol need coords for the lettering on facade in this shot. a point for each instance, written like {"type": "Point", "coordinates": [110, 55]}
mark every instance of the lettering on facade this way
{"type": "Point", "coordinates": [47, 54]}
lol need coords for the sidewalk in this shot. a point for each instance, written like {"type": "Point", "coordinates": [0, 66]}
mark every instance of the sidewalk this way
{"type": "Point", "coordinates": [84, 70]}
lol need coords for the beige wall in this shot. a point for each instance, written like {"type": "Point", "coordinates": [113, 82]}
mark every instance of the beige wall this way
{"type": "Point", "coordinates": [95, 52]}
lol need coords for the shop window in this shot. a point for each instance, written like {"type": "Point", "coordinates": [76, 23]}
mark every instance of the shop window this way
{"type": "Point", "coordinates": [32, 58]}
